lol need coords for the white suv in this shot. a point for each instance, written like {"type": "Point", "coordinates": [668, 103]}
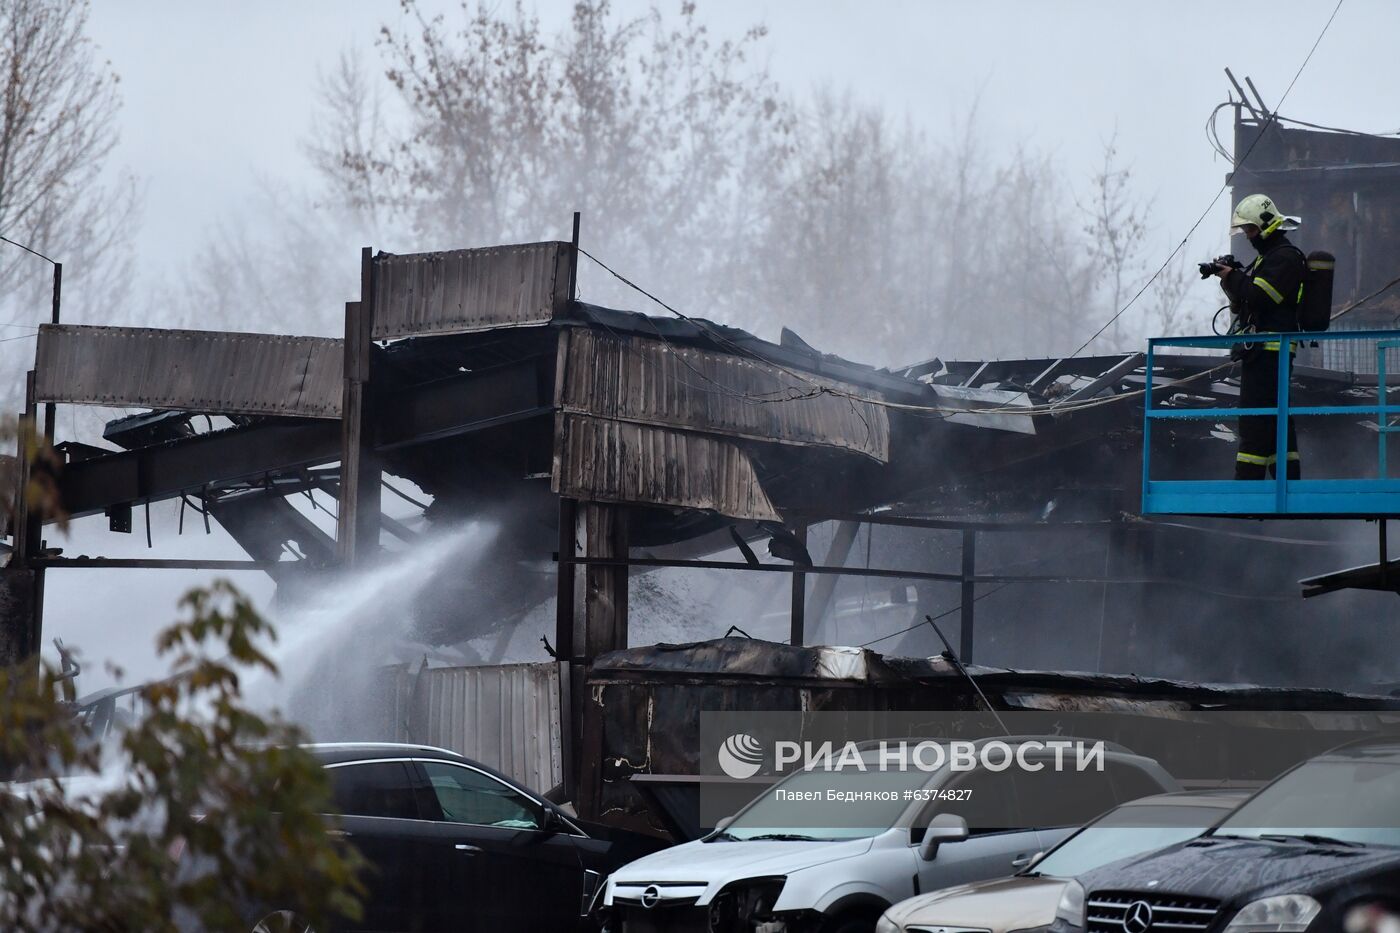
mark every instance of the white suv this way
{"type": "Point", "coordinates": [748, 877]}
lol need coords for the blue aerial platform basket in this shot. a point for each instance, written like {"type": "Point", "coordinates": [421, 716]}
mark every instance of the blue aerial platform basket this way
{"type": "Point", "coordinates": [1372, 497]}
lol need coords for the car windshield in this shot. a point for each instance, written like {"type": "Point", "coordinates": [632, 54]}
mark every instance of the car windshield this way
{"type": "Point", "coordinates": [1126, 832]}
{"type": "Point", "coordinates": [1354, 799]}
{"type": "Point", "coordinates": [813, 805]}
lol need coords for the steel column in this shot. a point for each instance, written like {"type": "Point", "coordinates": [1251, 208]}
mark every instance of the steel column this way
{"type": "Point", "coordinates": [969, 592]}
{"type": "Point", "coordinates": [357, 527]}
{"type": "Point", "coordinates": [564, 645]}
{"type": "Point", "coordinates": [836, 555]}
{"type": "Point", "coordinates": [798, 630]}
{"type": "Point", "coordinates": [605, 535]}
{"type": "Point", "coordinates": [33, 543]}
{"type": "Point", "coordinates": [49, 409]}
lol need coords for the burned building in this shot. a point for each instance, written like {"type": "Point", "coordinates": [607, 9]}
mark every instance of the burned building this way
{"type": "Point", "coordinates": [610, 445]}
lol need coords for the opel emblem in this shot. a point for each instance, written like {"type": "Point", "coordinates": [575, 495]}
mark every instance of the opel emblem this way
{"type": "Point", "coordinates": [1138, 918]}
{"type": "Point", "coordinates": [653, 894]}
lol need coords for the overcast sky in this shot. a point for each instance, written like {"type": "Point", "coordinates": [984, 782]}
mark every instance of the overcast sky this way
{"type": "Point", "coordinates": [218, 95]}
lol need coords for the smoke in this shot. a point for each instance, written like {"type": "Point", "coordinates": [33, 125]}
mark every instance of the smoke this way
{"type": "Point", "coordinates": [700, 177]}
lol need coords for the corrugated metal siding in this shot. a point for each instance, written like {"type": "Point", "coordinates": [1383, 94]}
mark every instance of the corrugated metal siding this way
{"type": "Point", "coordinates": [505, 716]}
{"type": "Point", "coordinates": [1354, 356]}
{"type": "Point", "coordinates": [658, 383]}
{"type": "Point", "coordinates": [619, 461]}
{"type": "Point", "coordinates": [470, 289]}
{"type": "Point", "coordinates": [139, 367]}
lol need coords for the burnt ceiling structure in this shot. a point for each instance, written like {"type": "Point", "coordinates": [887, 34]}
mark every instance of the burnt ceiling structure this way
{"type": "Point", "coordinates": [474, 374]}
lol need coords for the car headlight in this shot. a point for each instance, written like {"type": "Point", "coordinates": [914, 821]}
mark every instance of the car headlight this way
{"type": "Point", "coordinates": [1071, 906]}
{"type": "Point", "coordinates": [1287, 913]}
{"type": "Point", "coordinates": [886, 925]}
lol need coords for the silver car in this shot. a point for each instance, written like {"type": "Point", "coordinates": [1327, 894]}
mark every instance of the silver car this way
{"type": "Point", "coordinates": [761, 870]}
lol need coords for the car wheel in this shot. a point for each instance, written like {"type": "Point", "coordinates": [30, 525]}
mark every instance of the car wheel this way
{"type": "Point", "coordinates": [282, 921]}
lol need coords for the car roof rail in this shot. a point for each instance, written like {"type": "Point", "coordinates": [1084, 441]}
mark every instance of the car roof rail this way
{"type": "Point", "coordinates": [1108, 744]}
{"type": "Point", "coordinates": [414, 746]}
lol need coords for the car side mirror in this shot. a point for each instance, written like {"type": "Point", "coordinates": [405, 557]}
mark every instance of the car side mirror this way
{"type": "Point", "coordinates": [945, 827]}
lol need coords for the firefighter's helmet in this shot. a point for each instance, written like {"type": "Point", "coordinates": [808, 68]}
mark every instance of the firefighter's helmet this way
{"type": "Point", "coordinates": [1260, 211]}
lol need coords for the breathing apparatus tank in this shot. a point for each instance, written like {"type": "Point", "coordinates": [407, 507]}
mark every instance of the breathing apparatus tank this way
{"type": "Point", "coordinates": [1315, 311]}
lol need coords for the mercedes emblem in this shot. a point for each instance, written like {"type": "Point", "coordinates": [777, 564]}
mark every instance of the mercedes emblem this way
{"type": "Point", "coordinates": [1137, 918]}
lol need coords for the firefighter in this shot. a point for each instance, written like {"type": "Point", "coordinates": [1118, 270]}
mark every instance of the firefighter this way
{"type": "Point", "coordinates": [1264, 297]}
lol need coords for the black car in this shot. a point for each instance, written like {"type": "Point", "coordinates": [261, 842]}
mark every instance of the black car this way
{"type": "Point", "coordinates": [454, 845]}
{"type": "Point", "coordinates": [1319, 843]}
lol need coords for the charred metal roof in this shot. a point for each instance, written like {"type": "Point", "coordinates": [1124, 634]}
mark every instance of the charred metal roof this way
{"type": "Point", "coordinates": [740, 658]}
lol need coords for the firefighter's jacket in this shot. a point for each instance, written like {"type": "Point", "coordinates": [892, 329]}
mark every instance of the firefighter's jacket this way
{"type": "Point", "coordinates": [1267, 294]}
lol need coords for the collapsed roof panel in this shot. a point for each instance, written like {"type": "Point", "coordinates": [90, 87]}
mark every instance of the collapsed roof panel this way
{"type": "Point", "coordinates": [617, 461]}
{"type": "Point", "coordinates": [192, 370]}
{"type": "Point", "coordinates": [656, 382]}
{"type": "Point", "coordinates": [467, 290]}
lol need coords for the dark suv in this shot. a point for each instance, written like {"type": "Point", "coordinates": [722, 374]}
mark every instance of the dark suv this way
{"type": "Point", "coordinates": [456, 846]}
{"type": "Point", "coordinates": [1305, 853]}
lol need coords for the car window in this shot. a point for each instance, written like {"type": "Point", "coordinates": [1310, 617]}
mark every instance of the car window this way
{"type": "Point", "coordinates": [1131, 782]}
{"type": "Point", "coordinates": [986, 799]}
{"type": "Point", "coordinates": [470, 796]}
{"type": "Point", "coordinates": [1130, 830]}
{"type": "Point", "coordinates": [380, 788]}
{"type": "Point", "coordinates": [1354, 798]}
{"type": "Point", "coordinates": [1051, 797]}
{"type": "Point", "coordinates": [801, 805]}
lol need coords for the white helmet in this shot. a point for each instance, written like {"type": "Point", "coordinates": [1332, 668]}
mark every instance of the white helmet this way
{"type": "Point", "coordinates": [1260, 211]}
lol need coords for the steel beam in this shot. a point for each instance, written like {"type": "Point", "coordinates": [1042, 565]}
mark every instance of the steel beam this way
{"type": "Point", "coordinates": [770, 568]}
{"type": "Point", "coordinates": [467, 402]}
{"type": "Point", "coordinates": [194, 464]}
{"type": "Point", "coordinates": [462, 404]}
{"type": "Point", "coordinates": [944, 524]}
{"type": "Point", "coordinates": [262, 521]}
{"type": "Point", "coordinates": [154, 563]}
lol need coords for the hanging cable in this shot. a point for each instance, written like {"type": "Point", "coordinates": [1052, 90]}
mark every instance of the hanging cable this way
{"type": "Point", "coordinates": [818, 388]}
{"type": "Point", "coordinates": [1213, 133]}
{"type": "Point", "coordinates": [1360, 301]}
{"type": "Point", "coordinates": [922, 622]}
{"type": "Point", "coordinates": [1338, 129]}
{"type": "Point", "coordinates": [28, 249]}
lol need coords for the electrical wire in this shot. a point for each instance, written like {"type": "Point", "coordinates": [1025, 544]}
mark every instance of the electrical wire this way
{"type": "Point", "coordinates": [1273, 117]}
{"type": "Point", "coordinates": [1338, 129]}
{"type": "Point", "coordinates": [1213, 133]}
{"type": "Point", "coordinates": [1360, 301]}
{"type": "Point", "coordinates": [819, 388]}
{"type": "Point", "coordinates": [31, 250]}
{"type": "Point", "coordinates": [922, 622]}
{"type": "Point", "coordinates": [1099, 581]}
{"type": "Point", "coordinates": [28, 249]}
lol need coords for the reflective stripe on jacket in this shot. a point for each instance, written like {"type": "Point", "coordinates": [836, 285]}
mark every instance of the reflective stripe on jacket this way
{"type": "Point", "coordinates": [1270, 290]}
